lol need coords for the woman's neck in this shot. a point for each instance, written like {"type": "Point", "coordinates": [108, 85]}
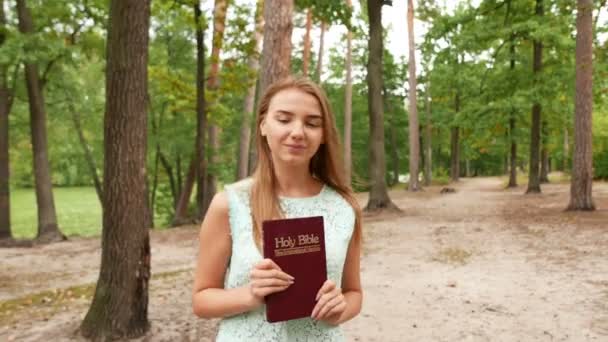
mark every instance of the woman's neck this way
{"type": "Point", "coordinates": [296, 181]}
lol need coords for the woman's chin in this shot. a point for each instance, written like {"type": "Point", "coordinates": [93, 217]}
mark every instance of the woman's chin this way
{"type": "Point", "coordinates": [295, 160]}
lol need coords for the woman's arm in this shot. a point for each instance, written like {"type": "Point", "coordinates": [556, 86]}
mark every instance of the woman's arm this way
{"type": "Point", "coordinates": [209, 298]}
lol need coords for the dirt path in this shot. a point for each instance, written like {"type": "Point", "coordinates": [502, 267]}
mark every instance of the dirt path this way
{"type": "Point", "coordinates": [481, 264]}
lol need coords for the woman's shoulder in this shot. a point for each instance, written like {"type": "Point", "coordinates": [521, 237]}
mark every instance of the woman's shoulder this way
{"type": "Point", "coordinates": [335, 197]}
{"type": "Point", "coordinates": [243, 185]}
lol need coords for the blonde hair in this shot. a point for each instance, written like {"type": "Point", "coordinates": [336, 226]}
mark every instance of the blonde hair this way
{"type": "Point", "coordinates": [326, 164]}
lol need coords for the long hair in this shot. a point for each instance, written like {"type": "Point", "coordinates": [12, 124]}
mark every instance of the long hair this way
{"type": "Point", "coordinates": [326, 165]}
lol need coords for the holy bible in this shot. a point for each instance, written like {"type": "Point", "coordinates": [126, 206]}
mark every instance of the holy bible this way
{"type": "Point", "coordinates": [297, 245]}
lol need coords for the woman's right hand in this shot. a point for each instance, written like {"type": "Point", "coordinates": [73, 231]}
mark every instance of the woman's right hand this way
{"type": "Point", "coordinates": [265, 278]}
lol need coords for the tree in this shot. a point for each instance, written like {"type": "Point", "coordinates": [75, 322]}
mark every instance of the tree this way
{"type": "Point", "coordinates": [535, 131]}
{"type": "Point", "coordinates": [249, 103]}
{"type": "Point", "coordinates": [120, 305]}
{"type": "Point", "coordinates": [198, 162]}
{"type": "Point", "coordinates": [307, 43]}
{"type": "Point", "coordinates": [6, 99]}
{"type": "Point", "coordinates": [48, 229]}
{"type": "Point", "coordinates": [413, 184]}
{"type": "Point", "coordinates": [582, 161]}
{"type": "Point", "coordinates": [378, 195]}
{"type": "Point", "coordinates": [348, 105]}
{"type": "Point", "coordinates": [219, 24]}
{"type": "Point", "coordinates": [428, 146]}
{"type": "Point", "coordinates": [276, 50]}
{"type": "Point", "coordinates": [319, 70]}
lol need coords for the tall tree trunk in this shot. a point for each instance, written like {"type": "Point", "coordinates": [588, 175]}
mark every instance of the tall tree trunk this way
{"type": "Point", "coordinates": [306, 56]}
{"type": "Point", "coordinates": [5, 108]}
{"type": "Point", "coordinates": [582, 162]}
{"type": "Point", "coordinates": [276, 50]}
{"type": "Point", "coordinates": [219, 22]}
{"type": "Point", "coordinates": [378, 195]}
{"type": "Point", "coordinates": [88, 156]}
{"type": "Point", "coordinates": [455, 143]}
{"type": "Point", "coordinates": [319, 70]}
{"type": "Point", "coordinates": [544, 154]}
{"type": "Point", "coordinates": [566, 149]}
{"type": "Point", "coordinates": [414, 184]}
{"type": "Point", "coordinates": [181, 209]}
{"type": "Point", "coordinates": [513, 158]}
{"type": "Point", "coordinates": [394, 151]}
{"type": "Point", "coordinates": [428, 147]}
{"type": "Point", "coordinates": [198, 165]}
{"type": "Point", "coordinates": [47, 219]}
{"type": "Point", "coordinates": [248, 112]}
{"type": "Point", "coordinates": [533, 175]}
{"type": "Point", "coordinates": [348, 105]}
{"type": "Point", "coordinates": [512, 136]}
{"type": "Point", "coordinates": [120, 305]}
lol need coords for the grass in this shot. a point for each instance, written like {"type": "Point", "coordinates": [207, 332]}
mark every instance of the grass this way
{"type": "Point", "coordinates": [48, 302]}
{"type": "Point", "coordinates": [453, 255]}
{"type": "Point", "coordinates": [78, 212]}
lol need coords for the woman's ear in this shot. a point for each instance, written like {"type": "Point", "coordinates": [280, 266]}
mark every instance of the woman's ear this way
{"type": "Point", "coordinates": [263, 127]}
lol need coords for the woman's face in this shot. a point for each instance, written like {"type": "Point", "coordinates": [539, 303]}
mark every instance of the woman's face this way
{"type": "Point", "coordinates": [293, 127]}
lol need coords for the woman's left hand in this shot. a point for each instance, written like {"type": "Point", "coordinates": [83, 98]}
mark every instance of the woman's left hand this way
{"type": "Point", "coordinates": [330, 303]}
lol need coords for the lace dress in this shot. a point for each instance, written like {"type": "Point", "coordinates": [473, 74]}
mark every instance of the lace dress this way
{"type": "Point", "coordinates": [339, 219]}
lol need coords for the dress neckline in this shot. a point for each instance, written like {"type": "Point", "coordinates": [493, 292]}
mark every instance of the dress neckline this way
{"type": "Point", "coordinates": [287, 198]}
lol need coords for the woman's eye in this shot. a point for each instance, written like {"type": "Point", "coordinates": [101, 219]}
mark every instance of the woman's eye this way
{"type": "Point", "coordinates": [313, 124]}
{"type": "Point", "coordinates": [283, 120]}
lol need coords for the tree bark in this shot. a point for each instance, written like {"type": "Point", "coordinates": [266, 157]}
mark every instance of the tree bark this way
{"type": "Point", "coordinates": [319, 70]}
{"type": "Point", "coordinates": [566, 149]}
{"type": "Point", "coordinates": [276, 50]}
{"type": "Point", "coordinates": [455, 144]}
{"type": "Point", "coordinates": [544, 154]}
{"type": "Point", "coordinates": [513, 154]}
{"type": "Point", "coordinates": [248, 112]}
{"type": "Point", "coordinates": [378, 195]}
{"type": "Point", "coordinates": [394, 152]}
{"type": "Point", "coordinates": [533, 173]}
{"type": "Point", "coordinates": [48, 229]}
{"type": "Point", "coordinates": [306, 55]}
{"type": "Point", "coordinates": [181, 209]}
{"type": "Point", "coordinates": [5, 108]}
{"type": "Point", "coordinates": [119, 309]}
{"type": "Point", "coordinates": [428, 148]}
{"type": "Point", "coordinates": [88, 156]}
{"type": "Point", "coordinates": [414, 128]}
{"type": "Point", "coordinates": [219, 22]}
{"type": "Point", "coordinates": [198, 164]}
{"type": "Point", "coordinates": [582, 162]}
{"type": "Point", "coordinates": [348, 106]}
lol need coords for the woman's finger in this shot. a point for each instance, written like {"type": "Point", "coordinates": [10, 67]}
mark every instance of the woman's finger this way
{"type": "Point", "coordinates": [270, 282]}
{"type": "Point", "coordinates": [269, 273]}
{"type": "Point", "coordinates": [327, 286]}
{"type": "Point", "coordinates": [323, 300]}
{"type": "Point", "coordinates": [330, 306]}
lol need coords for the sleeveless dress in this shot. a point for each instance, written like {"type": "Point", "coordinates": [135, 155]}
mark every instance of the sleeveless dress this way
{"type": "Point", "coordinates": [339, 220]}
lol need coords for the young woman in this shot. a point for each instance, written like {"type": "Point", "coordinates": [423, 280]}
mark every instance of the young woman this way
{"type": "Point", "coordinates": [298, 174]}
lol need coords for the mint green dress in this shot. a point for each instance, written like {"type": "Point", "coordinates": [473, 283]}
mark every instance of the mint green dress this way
{"type": "Point", "coordinates": [339, 219]}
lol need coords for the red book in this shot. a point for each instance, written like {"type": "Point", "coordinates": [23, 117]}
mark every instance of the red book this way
{"type": "Point", "coordinates": [298, 246]}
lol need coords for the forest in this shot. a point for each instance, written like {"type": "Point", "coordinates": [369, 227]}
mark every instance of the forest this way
{"type": "Point", "coordinates": [120, 120]}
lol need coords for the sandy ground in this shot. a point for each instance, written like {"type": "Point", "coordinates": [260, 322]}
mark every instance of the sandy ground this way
{"type": "Point", "coordinates": [481, 264]}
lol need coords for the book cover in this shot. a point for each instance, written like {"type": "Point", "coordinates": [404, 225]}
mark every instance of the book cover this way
{"type": "Point", "coordinates": [297, 245]}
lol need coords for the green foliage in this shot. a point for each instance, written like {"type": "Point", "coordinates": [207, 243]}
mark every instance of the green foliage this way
{"type": "Point", "coordinates": [78, 212]}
